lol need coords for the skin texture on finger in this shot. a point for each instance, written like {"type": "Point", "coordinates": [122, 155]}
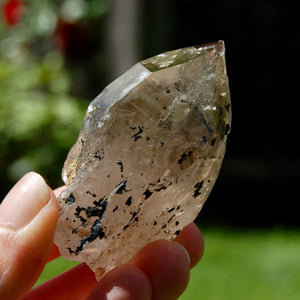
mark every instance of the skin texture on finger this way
{"type": "Point", "coordinates": [167, 266]}
{"type": "Point", "coordinates": [125, 282]}
{"type": "Point", "coordinates": [24, 251]}
{"type": "Point", "coordinates": [192, 240]}
{"type": "Point", "coordinates": [75, 284]}
{"type": "Point", "coordinates": [54, 253]}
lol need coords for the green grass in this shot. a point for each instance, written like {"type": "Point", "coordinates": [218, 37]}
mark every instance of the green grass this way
{"type": "Point", "coordinates": [247, 265]}
{"type": "Point", "coordinates": [237, 265]}
{"type": "Point", "coordinates": [54, 268]}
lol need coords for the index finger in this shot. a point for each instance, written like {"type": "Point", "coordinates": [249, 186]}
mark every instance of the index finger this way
{"type": "Point", "coordinates": [54, 253]}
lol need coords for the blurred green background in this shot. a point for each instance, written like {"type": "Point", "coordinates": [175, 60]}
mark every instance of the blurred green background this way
{"type": "Point", "coordinates": [57, 55]}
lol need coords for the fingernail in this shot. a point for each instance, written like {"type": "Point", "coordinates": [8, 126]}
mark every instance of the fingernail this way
{"type": "Point", "coordinates": [24, 201]}
{"type": "Point", "coordinates": [185, 251]}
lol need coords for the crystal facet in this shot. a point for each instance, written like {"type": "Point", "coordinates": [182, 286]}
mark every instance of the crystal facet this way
{"type": "Point", "coordinates": [147, 156]}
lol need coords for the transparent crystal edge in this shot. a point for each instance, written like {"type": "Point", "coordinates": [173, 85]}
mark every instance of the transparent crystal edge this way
{"type": "Point", "coordinates": [180, 56]}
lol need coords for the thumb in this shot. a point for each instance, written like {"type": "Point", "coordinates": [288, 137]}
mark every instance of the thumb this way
{"type": "Point", "coordinates": [28, 216]}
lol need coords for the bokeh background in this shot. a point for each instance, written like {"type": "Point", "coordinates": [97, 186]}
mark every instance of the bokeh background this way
{"type": "Point", "coordinates": [57, 55]}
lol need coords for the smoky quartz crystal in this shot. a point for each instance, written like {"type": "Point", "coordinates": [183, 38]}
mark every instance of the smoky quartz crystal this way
{"type": "Point", "coordinates": [148, 154]}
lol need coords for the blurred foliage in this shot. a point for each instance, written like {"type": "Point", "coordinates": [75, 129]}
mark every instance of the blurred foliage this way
{"type": "Point", "coordinates": [248, 265]}
{"type": "Point", "coordinates": [39, 120]}
{"type": "Point", "coordinates": [40, 117]}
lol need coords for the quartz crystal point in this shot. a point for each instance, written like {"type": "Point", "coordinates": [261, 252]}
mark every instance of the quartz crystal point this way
{"type": "Point", "coordinates": [147, 156]}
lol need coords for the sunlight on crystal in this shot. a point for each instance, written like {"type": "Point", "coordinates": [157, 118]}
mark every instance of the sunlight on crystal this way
{"type": "Point", "coordinates": [209, 107]}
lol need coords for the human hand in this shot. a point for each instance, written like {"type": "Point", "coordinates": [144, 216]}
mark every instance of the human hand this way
{"type": "Point", "coordinates": [28, 216]}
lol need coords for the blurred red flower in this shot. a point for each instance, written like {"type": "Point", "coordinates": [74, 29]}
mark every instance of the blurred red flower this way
{"type": "Point", "coordinates": [71, 39]}
{"type": "Point", "coordinates": [12, 12]}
